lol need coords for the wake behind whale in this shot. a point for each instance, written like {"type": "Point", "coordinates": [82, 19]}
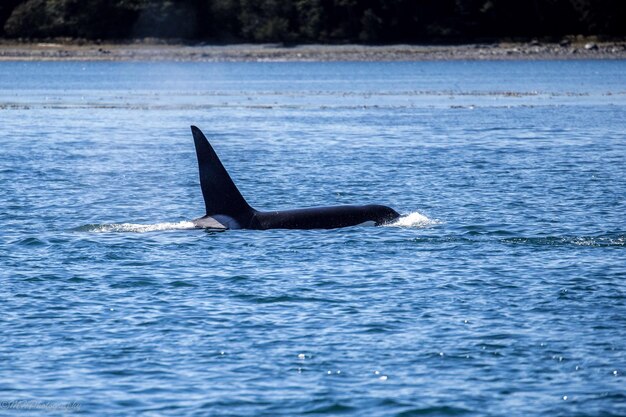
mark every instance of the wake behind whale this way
{"type": "Point", "coordinates": [135, 227]}
{"type": "Point", "coordinates": [411, 220]}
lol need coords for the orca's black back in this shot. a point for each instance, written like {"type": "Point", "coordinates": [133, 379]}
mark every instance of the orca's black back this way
{"type": "Point", "coordinates": [323, 217]}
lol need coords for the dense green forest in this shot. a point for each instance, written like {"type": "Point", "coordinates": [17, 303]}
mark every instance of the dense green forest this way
{"type": "Point", "coordinates": [329, 21]}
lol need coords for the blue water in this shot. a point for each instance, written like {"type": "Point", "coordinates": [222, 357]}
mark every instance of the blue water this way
{"type": "Point", "coordinates": [502, 290]}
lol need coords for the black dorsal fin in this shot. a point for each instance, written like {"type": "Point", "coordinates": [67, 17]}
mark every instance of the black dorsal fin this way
{"type": "Point", "coordinates": [221, 196]}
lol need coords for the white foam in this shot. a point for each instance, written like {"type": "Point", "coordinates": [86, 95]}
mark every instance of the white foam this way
{"type": "Point", "coordinates": [140, 228]}
{"type": "Point", "coordinates": [414, 219]}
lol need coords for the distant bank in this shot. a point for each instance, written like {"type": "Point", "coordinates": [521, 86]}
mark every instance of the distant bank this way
{"type": "Point", "coordinates": [313, 21]}
{"type": "Point", "coordinates": [159, 51]}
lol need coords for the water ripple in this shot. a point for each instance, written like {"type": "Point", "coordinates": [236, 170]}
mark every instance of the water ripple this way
{"type": "Point", "coordinates": [514, 303]}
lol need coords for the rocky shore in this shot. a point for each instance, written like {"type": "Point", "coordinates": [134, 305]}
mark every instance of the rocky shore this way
{"type": "Point", "coordinates": [159, 51]}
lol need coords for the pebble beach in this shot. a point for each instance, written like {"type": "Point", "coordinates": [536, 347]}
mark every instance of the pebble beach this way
{"type": "Point", "coordinates": [160, 51]}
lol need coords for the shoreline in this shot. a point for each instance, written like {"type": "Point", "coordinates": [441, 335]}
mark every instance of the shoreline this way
{"type": "Point", "coordinates": [156, 51]}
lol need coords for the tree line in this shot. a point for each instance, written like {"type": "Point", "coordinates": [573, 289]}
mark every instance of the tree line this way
{"type": "Point", "coordinates": [326, 21]}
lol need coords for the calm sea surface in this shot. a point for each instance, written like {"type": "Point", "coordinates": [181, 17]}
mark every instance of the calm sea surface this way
{"type": "Point", "coordinates": [502, 290]}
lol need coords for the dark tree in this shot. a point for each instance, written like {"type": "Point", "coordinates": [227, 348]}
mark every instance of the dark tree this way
{"type": "Point", "coordinates": [369, 21]}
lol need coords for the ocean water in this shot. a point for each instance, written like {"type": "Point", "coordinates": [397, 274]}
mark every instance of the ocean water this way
{"type": "Point", "coordinates": [501, 290]}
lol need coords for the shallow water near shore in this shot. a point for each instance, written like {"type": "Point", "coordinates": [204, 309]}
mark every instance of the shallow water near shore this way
{"type": "Point", "coordinates": [500, 291]}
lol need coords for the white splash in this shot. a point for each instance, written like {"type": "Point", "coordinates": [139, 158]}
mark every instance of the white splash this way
{"type": "Point", "coordinates": [139, 228]}
{"type": "Point", "coordinates": [414, 219]}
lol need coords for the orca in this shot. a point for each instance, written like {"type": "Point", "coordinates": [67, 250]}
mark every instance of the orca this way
{"type": "Point", "coordinates": [227, 209]}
